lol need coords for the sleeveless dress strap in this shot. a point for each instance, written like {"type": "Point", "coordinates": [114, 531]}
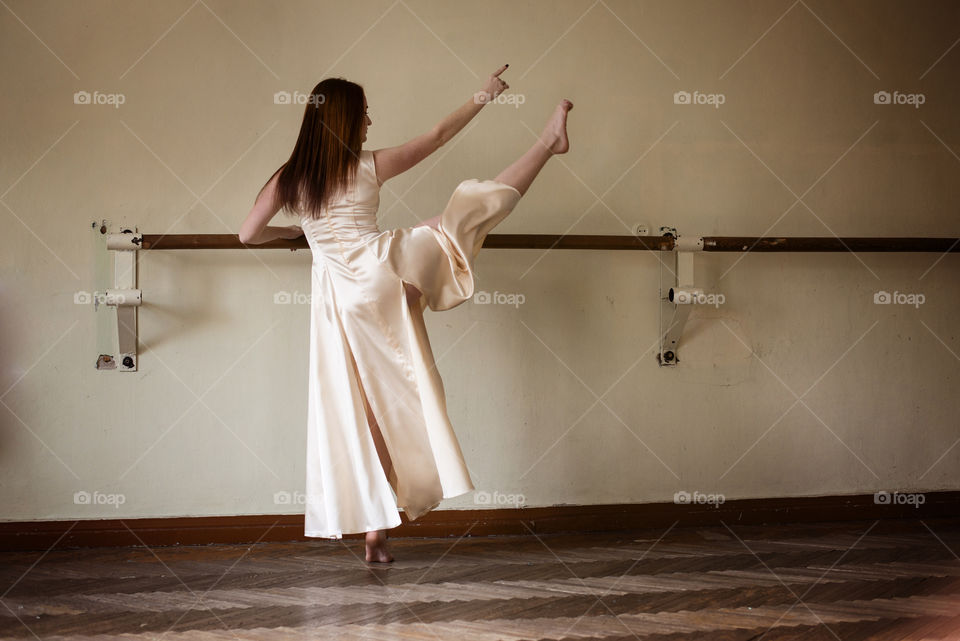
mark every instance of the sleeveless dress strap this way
{"type": "Point", "coordinates": [368, 164]}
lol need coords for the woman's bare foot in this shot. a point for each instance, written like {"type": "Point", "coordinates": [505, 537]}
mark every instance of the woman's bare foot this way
{"type": "Point", "coordinates": [554, 134]}
{"type": "Point", "coordinates": [553, 140]}
{"type": "Point", "coordinates": [377, 551]}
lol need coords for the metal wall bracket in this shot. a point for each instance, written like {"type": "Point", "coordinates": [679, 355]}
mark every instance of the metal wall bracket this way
{"type": "Point", "coordinates": [677, 293]}
{"type": "Point", "coordinates": [125, 296]}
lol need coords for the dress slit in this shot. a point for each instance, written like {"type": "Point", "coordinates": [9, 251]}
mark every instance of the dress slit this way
{"type": "Point", "coordinates": [386, 463]}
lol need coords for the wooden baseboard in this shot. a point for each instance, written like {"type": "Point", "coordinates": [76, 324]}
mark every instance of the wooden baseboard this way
{"type": "Point", "coordinates": [42, 535]}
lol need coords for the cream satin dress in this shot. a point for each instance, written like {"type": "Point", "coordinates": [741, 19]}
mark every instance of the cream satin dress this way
{"type": "Point", "coordinates": [371, 365]}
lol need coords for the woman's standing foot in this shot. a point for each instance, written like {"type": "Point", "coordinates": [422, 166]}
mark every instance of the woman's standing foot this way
{"type": "Point", "coordinates": [377, 551]}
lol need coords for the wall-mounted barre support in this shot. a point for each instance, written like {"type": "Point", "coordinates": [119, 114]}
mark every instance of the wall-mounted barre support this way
{"type": "Point", "coordinates": [125, 297]}
{"type": "Point", "coordinates": [676, 292]}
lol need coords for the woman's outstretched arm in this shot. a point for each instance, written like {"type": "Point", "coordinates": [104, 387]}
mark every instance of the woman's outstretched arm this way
{"type": "Point", "coordinates": [452, 124]}
{"type": "Point", "coordinates": [393, 161]}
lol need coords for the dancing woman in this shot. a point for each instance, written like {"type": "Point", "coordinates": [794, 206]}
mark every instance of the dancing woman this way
{"type": "Point", "coordinates": [377, 422]}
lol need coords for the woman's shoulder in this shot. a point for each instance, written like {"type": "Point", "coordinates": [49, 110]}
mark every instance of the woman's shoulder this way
{"type": "Point", "coordinates": [366, 155]}
{"type": "Point", "coordinates": [369, 164]}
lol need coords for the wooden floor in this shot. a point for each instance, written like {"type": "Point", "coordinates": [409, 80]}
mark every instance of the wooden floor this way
{"type": "Point", "coordinates": [853, 580]}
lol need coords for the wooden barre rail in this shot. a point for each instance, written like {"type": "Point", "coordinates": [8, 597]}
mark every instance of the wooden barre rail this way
{"type": "Point", "coordinates": [652, 243]}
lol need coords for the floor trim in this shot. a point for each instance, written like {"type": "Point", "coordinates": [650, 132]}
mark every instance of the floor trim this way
{"type": "Point", "coordinates": [42, 535]}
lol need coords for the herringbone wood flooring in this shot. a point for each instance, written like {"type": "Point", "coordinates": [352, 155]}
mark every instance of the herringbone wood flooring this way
{"type": "Point", "coordinates": [853, 580]}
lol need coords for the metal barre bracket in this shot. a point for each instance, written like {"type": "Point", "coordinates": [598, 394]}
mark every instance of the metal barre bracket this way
{"type": "Point", "coordinates": [677, 294]}
{"type": "Point", "coordinates": [125, 296]}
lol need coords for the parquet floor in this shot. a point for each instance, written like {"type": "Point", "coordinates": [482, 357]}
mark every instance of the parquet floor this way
{"type": "Point", "coordinates": [852, 580]}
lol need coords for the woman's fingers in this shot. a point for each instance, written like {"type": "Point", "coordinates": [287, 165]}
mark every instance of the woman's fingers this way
{"type": "Point", "coordinates": [495, 85]}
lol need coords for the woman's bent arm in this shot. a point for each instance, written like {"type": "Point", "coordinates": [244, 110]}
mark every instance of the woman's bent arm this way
{"type": "Point", "coordinates": [254, 229]}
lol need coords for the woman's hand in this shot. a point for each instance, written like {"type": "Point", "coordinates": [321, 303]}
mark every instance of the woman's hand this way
{"type": "Point", "coordinates": [271, 232]}
{"type": "Point", "coordinates": [492, 88]}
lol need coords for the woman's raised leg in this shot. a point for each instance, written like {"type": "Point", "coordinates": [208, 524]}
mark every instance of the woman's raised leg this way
{"type": "Point", "coordinates": [430, 222]}
{"type": "Point", "coordinates": [552, 141]}
{"type": "Point", "coordinates": [521, 173]}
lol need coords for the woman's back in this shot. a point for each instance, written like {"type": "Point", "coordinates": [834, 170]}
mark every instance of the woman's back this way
{"type": "Point", "coordinates": [352, 216]}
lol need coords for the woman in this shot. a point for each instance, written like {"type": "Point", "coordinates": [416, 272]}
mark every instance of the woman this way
{"type": "Point", "coordinates": [377, 418]}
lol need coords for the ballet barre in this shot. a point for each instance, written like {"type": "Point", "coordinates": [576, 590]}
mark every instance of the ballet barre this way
{"type": "Point", "coordinates": [666, 242]}
{"type": "Point", "coordinates": [677, 293]}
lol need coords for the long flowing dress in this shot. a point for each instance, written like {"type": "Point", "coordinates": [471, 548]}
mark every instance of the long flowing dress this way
{"type": "Point", "coordinates": [377, 415]}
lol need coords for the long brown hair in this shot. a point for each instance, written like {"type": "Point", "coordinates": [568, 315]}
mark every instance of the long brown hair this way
{"type": "Point", "coordinates": [327, 152]}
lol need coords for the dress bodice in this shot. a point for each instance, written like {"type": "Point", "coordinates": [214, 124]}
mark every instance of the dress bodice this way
{"type": "Point", "coordinates": [353, 216]}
